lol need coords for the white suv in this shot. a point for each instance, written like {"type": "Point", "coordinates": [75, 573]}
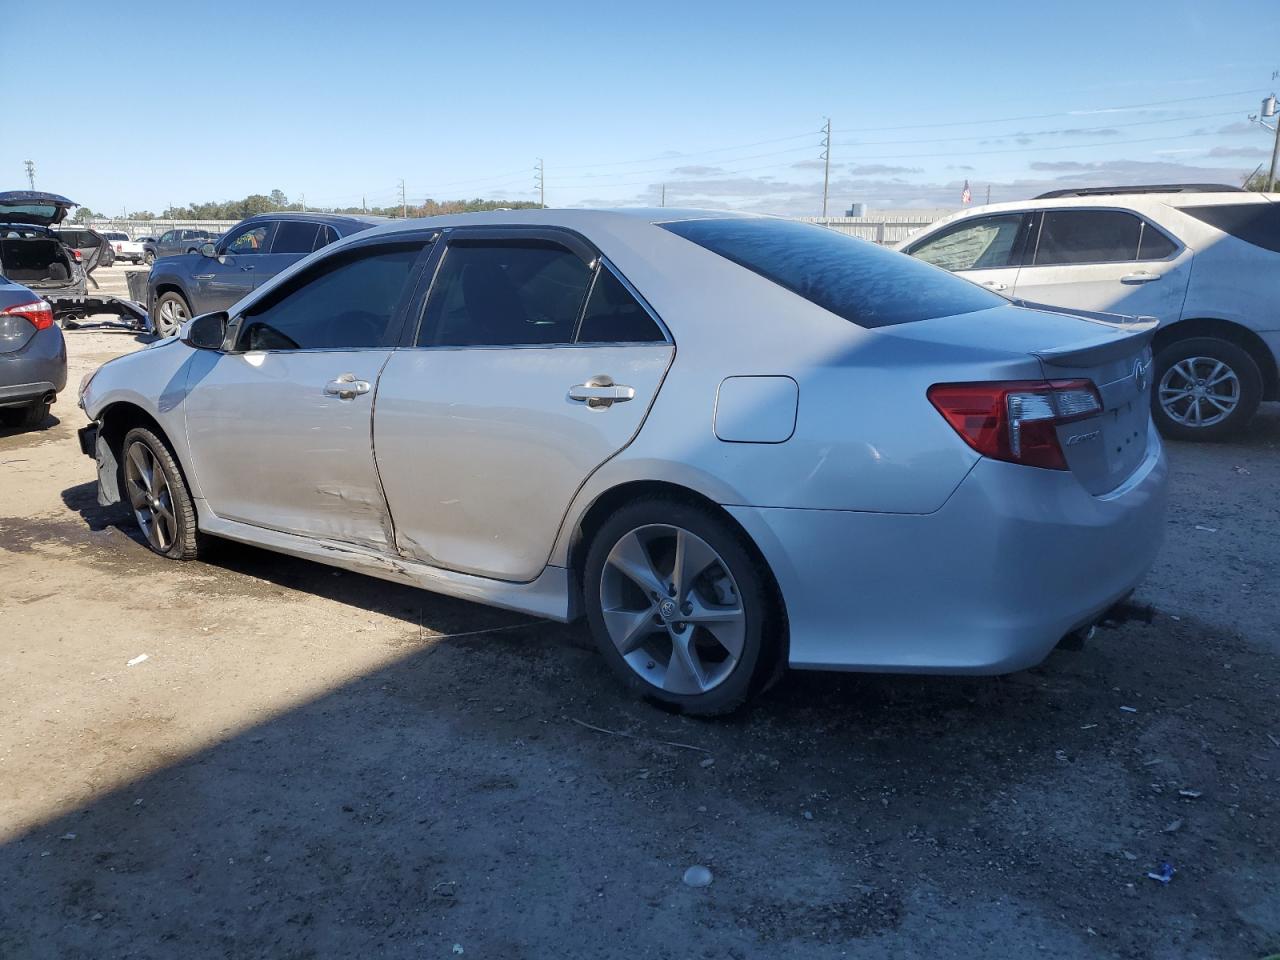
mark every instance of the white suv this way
{"type": "Point", "coordinates": [1203, 259]}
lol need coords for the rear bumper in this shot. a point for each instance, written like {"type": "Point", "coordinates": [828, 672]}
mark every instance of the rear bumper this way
{"type": "Point", "coordinates": [35, 371]}
{"type": "Point", "coordinates": [989, 583]}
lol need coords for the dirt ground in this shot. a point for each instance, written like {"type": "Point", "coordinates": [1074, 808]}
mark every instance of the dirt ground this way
{"type": "Point", "coordinates": [312, 763]}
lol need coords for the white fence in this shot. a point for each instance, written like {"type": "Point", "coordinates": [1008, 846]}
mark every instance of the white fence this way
{"type": "Point", "coordinates": [883, 229]}
{"type": "Point", "coordinates": [153, 228]}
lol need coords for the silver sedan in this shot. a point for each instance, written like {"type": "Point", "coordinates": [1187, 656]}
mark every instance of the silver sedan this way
{"type": "Point", "coordinates": [735, 444]}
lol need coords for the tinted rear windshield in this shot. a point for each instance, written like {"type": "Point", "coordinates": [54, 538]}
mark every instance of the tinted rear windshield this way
{"type": "Point", "coordinates": [854, 279]}
{"type": "Point", "coordinates": [1256, 223]}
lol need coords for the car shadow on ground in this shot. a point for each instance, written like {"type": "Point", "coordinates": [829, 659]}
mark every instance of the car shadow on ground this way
{"type": "Point", "coordinates": [498, 790]}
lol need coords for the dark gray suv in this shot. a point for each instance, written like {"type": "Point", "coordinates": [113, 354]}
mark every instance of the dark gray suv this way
{"type": "Point", "coordinates": [249, 254]}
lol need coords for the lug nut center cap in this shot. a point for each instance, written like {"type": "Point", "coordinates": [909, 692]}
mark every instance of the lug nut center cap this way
{"type": "Point", "coordinates": [668, 609]}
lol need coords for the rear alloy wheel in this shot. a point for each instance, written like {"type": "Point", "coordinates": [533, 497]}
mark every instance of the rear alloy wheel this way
{"type": "Point", "coordinates": [148, 258]}
{"type": "Point", "coordinates": [171, 313]}
{"type": "Point", "coordinates": [1205, 389]}
{"type": "Point", "coordinates": [679, 606]}
{"type": "Point", "coordinates": [159, 497]}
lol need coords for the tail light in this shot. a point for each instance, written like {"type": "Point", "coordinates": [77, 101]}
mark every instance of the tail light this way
{"type": "Point", "coordinates": [119, 248]}
{"type": "Point", "coordinates": [38, 313]}
{"type": "Point", "coordinates": [78, 255]}
{"type": "Point", "coordinates": [1016, 420]}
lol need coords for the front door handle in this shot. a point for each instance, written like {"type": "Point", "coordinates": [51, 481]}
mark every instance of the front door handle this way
{"type": "Point", "coordinates": [247, 269]}
{"type": "Point", "coordinates": [1139, 277]}
{"type": "Point", "coordinates": [346, 387]}
{"type": "Point", "coordinates": [601, 392]}
{"type": "Point", "coordinates": [995, 284]}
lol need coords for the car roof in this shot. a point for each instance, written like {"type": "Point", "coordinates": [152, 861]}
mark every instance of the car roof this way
{"type": "Point", "coordinates": [571, 218]}
{"type": "Point", "coordinates": [333, 219]}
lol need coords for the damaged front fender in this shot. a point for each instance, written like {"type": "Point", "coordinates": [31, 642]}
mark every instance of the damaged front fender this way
{"type": "Point", "coordinates": [94, 444]}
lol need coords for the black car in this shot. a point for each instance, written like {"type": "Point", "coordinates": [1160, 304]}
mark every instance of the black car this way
{"type": "Point", "coordinates": [31, 251]}
{"type": "Point", "coordinates": [249, 254]}
{"type": "Point", "coordinates": [174, 243]}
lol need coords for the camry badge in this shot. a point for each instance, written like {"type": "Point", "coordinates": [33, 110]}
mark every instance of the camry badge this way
{"type": "Point", "coordinates": [1140, 375]}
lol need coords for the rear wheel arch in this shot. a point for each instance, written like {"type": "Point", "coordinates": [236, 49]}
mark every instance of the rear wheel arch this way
{"type": "Point", "coordinates": [611, 500]}
{"type": "Point", "coordinates": [1241, 336]}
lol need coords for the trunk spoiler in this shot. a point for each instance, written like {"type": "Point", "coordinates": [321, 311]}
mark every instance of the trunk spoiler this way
{"type": "Point", "coordinates": [1119, 336]}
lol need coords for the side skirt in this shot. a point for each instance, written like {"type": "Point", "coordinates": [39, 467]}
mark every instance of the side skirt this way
{"type": "Point", "coordinates": [547, 596]}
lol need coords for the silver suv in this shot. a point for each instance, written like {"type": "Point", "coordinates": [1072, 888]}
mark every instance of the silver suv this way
{"type": "Point", "coordinates": [1202, 259]}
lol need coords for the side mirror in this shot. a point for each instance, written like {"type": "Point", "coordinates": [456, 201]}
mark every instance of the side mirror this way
{"type": "Point", "coordinates": [207, 331]}
{"type": "Point", "coordinates": [208, 250]}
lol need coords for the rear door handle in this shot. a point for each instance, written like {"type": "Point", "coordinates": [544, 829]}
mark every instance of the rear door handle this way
{"type": "Point", "coordinates": [1139, 277]}
{"type": "Point", "coordinates": [995, 284]}
{"type": "Point", "coordinates": [601, 392]}
{"type": "Point", "coordinates": [346, 387]}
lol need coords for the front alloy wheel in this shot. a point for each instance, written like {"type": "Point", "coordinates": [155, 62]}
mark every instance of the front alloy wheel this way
{"type": "Point", "coordinates": [157, 492]}
{"type": "Point", "coordinates": [681, 607]}
{"type": "Point", "coordinates": [171, 314]}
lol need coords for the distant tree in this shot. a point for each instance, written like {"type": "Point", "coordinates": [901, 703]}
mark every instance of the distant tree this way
{"type": "Point", "coordinates": [278, 199]}
{"type": "Point", "coordinates": [83, 215]}
{"type": "Point", "coordinates": [1257, 182]}
{"type": "Point", "coordinates": [143, 215]}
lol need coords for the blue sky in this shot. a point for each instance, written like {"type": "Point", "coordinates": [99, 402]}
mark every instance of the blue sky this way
{"type": "Point", "coordinates": [722, 102]}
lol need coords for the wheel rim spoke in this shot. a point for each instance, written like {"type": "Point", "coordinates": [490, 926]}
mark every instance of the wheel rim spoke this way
{"type": "Point", "coordinates": [631, 558]}
{"type": "Point", "coordinates": [728, 625]}
{"type": "Point", "coordinates": [628, 628]}
{"type": "Point", "coordinates": [684, 672]}
{"type": "Point", "coordinates": [692, 558]}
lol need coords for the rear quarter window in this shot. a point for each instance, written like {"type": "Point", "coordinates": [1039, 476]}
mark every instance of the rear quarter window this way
{"type": "Point", "coordinates": [1256, 223]}
{"type": "Point", "coordinates": [863, 283]}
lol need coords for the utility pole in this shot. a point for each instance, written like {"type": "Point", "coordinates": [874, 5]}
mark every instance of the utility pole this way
{"type": "Point", "coordinates": [988, 193]}
{"type": "Point", "coordinates": [404, 204]}
{"type": "Point", "coordinates": [1269, 110]}
{"type": "Point", "coordinates": [826, 158]}
{"type": "Point", "coordinates": [303, 197]}
{"type": "Point", "coordinates": [364, 205]}
{"type": "Point", "coordinates": [664, 194]}
{"type": "Point", "coordinates": [539, 177]}
{"type": "Point", "coordinates": [31, 173]}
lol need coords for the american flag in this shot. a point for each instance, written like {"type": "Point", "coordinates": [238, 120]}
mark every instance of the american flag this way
{"type": "Point", "coordinates": [966, 195]}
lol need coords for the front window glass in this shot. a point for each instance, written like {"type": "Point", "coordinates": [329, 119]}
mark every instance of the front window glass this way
{"type": "Point", "coordinates": [1087, 236]}
{"type": "Point", "coordinates": [856, 280]}
{"type": "Point", "coordinates": [348, 302]}
{"type": "Point", "coordinates": [981, 244]}
{"type": "Point", "coordinates": [249, 240]}
{"type": "Point", "coordinates": [505, 293]}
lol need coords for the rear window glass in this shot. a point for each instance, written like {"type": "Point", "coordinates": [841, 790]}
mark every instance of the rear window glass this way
{"type": "Point", "coordinates": [856, 280]}
{"type": "Point", "coordinates": [1087, 236]}
{"type": "Point", "coordinates": [1256, 223]}
{"type": "Point", "coordinates": [293, 236]}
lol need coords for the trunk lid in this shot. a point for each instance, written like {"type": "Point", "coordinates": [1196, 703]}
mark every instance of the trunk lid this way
{"type": "Point", "coordinates": [33, 207]}
{"type": "Point", "coordinates": [1113, 352]}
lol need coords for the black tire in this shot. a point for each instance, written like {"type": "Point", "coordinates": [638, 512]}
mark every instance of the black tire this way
{"type": "Point", "coordinates": [162, 325]}
{"type": "Point", "coordinates": [1247, 392]}
{"type": "Point", "coordinates": [187, 541]}
{"type": "Point", "coordinates": [30, 417]}
{"type": "Point", "coordinates": [148, 258]}
{"type": "Point", "coordinates": [758, 663]}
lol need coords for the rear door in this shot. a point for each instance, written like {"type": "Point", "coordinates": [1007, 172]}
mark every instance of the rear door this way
{"type": "Point", "coordinates": [293, 240]}
{"type": "Point", "coordinates": [223, 279]}
{"type": "Point", "coordinates": [1104, 260]}
{"type": "Point", "coordinates": [984, 249]}
{"type": "Point", "coordinates": [280, 428]}
{"type": "Point", "coordinates": [534, 363]}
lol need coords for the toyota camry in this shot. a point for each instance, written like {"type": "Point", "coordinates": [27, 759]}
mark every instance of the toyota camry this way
{"type": "Point", "coordinates": [733, 443]}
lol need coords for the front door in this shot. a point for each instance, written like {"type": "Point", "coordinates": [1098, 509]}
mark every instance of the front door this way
{"type": "Point", "coordinates": [984, 249]}
{"type": "Point", "coordinates": [223, 279]}
{"type": "Point", "coordinates": [1105, 260]}
{"type": "Point", "coordinates": [535, 363]}
{"type": "Point", "coordinates": [280, 428]}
